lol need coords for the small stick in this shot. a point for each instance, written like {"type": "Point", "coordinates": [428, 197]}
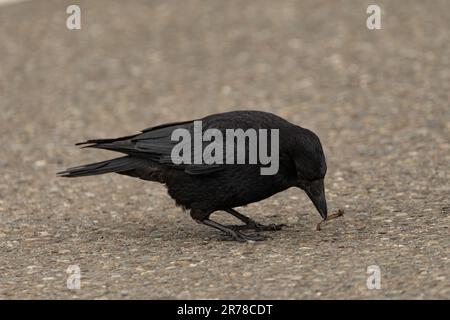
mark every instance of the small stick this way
{"type": "Point", "coordinates": [338, 214]}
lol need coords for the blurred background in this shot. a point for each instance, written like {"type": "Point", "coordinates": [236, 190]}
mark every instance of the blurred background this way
{"type": "Point", "coordinates": [378, 99]}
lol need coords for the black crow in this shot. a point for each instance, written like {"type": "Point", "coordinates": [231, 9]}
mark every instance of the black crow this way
{"type": "Point", "coordinates": [204, 188]}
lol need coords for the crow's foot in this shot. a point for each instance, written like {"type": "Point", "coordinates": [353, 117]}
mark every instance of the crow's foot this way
{"type": "Point", "coordinates": [253, 225]}
{"type": "Point", "coordinates": [235, 235]}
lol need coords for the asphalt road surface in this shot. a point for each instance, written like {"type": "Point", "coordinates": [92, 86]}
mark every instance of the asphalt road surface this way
{"type": "Point", "coordinates": [378, 99]}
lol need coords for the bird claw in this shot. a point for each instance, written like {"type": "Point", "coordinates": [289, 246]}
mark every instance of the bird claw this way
{"type": "Point", "coordinates": [270, 227]}
{"type": "Point", "coordinates": [241, 237]}
{"type": "Point", "coordinates": [253, 225]}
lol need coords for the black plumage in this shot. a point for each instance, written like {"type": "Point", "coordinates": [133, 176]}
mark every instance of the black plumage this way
{"type": "Point", "coordinates": [203, 188]}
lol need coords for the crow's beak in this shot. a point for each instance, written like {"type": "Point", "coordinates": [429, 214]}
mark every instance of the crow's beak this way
{"type": "Point", "coordinates": [316, 192]}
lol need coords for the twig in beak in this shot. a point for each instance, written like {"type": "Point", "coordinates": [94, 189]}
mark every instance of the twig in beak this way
{"type": "Point", "coordinates": [338, 214]}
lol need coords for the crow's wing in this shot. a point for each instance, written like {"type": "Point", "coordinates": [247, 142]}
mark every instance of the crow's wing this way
{"type": "Point", "coordinates": [155, 144]}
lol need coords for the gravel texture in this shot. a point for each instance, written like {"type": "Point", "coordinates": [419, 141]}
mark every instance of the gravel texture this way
{"type": "Point", "coordinates": [379, 100]}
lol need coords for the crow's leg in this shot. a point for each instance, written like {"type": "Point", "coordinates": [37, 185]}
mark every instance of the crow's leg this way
{"type": "Point", "coordinates": [233, 234]}
{"type": "Point", "coordinates": [252, 224]}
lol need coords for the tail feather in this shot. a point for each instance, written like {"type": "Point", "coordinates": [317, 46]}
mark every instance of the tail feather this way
{"type": "Point", "coordinates": [99, 141]}
{"type": "Point", "coordinates": [114, 165]}
{"type": "Point", "coordinates": [124, 147]}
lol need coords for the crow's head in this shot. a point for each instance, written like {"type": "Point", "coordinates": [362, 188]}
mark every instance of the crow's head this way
{"type": "Point", "coordinates": [311, 168]}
